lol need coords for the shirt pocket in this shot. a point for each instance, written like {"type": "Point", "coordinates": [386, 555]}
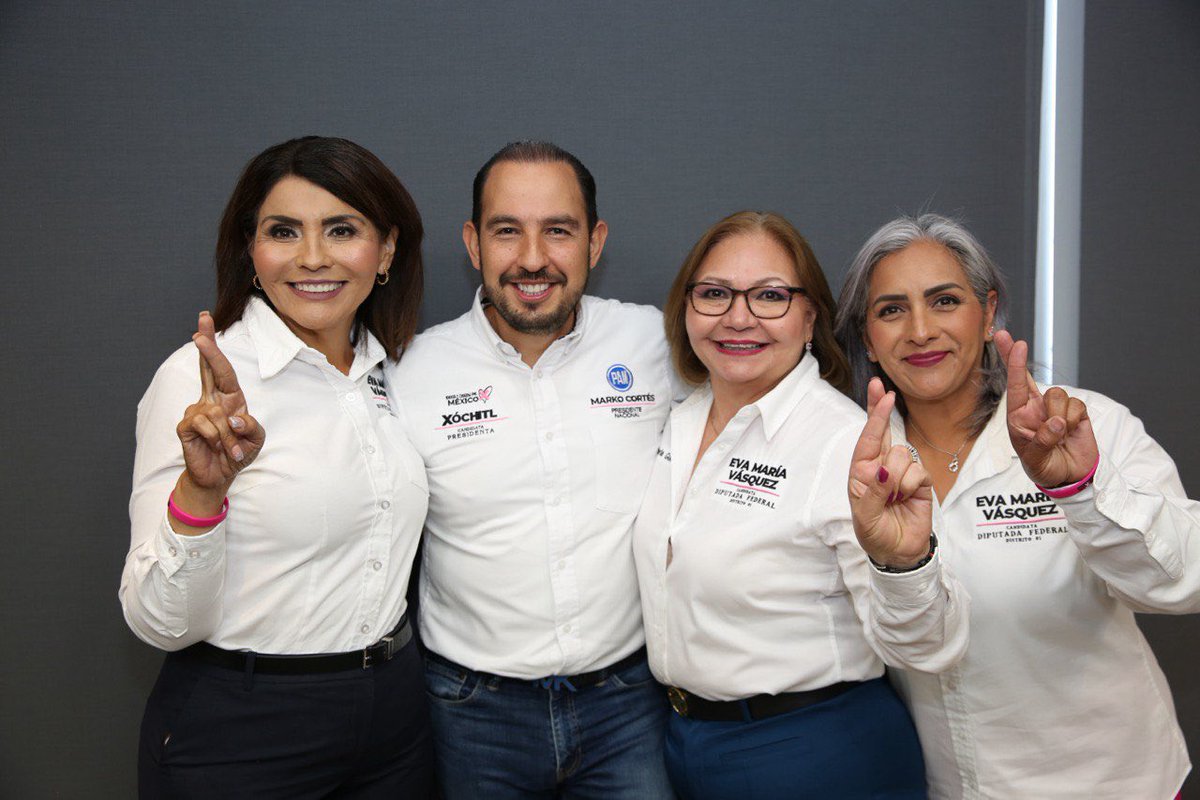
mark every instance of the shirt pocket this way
{"type": "Point", "coordinates": [624, 456]}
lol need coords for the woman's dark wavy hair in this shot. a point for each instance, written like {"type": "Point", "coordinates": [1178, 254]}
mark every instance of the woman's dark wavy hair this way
{"type": "Point", "coordinates": [830, 359]}
{"type": "Point", "coordinates": [359, 179]}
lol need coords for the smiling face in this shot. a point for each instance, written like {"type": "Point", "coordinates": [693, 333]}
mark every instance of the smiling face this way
{"type": "Point", "coordinates": [745, 355]}
{"type": "Point", "coordinates": [316, 259]}
{"type": "Point", "coordinates": [532, 247]}
{"type": "Point", "coordinates": [925, 327]}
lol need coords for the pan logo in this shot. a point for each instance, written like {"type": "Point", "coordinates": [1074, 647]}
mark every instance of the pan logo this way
{"type": "Point", "coordinates": [620, 377]}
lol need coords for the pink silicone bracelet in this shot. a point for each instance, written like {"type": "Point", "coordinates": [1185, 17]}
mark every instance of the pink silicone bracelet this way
{"type": "Point", "coordinates": [196, 522]}
{"type": "Point", "coordinates": [1074, 488]}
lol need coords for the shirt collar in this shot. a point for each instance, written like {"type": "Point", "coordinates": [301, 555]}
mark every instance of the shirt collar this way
{"type": "Point", "coordinates": [776, 405]}
{"type": "Point", "coordinates": [277, 346]}
{"type": "Point", "coordinates": [995, 436]}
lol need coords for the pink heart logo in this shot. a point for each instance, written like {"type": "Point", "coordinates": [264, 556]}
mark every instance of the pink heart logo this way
{"type": "Point", "coordinates": [485, 393]}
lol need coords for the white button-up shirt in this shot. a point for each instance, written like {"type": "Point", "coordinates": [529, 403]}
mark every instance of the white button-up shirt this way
{"type": "Point", "coordinates": [315, 554]}
{"type": "Point", "coordinates": [1059, 695]}
{"type": "Point", "coordinates": [767, 589]}
{"type": "Point", "coordinates": [535, 475]}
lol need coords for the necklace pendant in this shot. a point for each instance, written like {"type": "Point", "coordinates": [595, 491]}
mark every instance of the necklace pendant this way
{"type": "Point", "coordinates": [953, 464]}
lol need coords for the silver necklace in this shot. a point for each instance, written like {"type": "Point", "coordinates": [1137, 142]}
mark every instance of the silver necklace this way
{"type": "Point", "coordinates": [953, 467]}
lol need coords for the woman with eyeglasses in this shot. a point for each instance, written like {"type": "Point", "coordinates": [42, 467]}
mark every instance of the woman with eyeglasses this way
{"type": "Point", "coordinates": [770, 603]}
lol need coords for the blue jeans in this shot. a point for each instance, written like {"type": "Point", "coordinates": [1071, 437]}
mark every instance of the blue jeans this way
{"type": "Point", "coordinates": [507, 738]}
{"type": "Point", "coordinates": [858, 745]}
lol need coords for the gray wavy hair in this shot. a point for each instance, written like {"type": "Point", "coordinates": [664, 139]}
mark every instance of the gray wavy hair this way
{"type": "Point", "coordinates": [982, 274]}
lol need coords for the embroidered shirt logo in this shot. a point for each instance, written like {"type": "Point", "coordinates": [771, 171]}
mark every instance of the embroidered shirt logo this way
{"type": "Point", "coordinates": [379, 393]}
{"type": "Point", "coordinates": [466, 398]}
{"type": "Point", "coordinates": [752, 483]}
{"type": "Point", "coordinates": [620, 377]}
{"type": "Point", "coordinates": [1016, 518]}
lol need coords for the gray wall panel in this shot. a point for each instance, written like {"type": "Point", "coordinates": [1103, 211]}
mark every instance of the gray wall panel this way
{"type": "Point", "coordinates": [125, 125]}
{"type": "Point", "coordinates": [1138, 274]}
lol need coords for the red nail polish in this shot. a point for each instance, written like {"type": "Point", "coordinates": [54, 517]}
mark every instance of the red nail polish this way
{"type": "Point", "coordinates": [882, 475]}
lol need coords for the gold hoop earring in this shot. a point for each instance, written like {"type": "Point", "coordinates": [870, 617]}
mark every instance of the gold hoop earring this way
{"type": "Point", "coordinates": [387, 276]}
{"type": "Point", "coordinates": [254, 282]}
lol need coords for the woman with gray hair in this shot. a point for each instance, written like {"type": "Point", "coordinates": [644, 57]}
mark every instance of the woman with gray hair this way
{"type": "Point", "coordinates": [1056, 511]}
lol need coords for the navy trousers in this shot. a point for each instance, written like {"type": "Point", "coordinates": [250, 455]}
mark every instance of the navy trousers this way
{"type": "Point", "coordinates": [861, 744]}
{"type": "Point", "coordinates": [209, 731]}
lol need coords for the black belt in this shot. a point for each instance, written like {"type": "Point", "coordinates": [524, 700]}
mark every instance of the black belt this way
{"type": "Point", "coordinates": [756, 707]}
{"type": "Point", "coordinates": [247, 661]}
{"type": "Point", "coordinates": [572, 683]}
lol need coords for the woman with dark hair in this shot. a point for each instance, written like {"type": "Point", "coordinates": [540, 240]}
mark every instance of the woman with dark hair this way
{"type": "Point", "coordinates": [762, 612]}
{"type": "Point", "coordinates": [273, 568]}
{"type": "Point", "coordinates": [1061, 517]}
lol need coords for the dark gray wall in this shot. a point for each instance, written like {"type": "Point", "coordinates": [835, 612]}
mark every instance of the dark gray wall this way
{"type": "Point", "coordinates": [1140, 275]}
{"type": "Point", "coordinates": [125, 125]}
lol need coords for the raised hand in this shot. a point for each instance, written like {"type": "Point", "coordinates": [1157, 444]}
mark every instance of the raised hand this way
{"type": "Point", "coordinates": [1051, 432]}
{"type": "Point", "coordinates": [218, 435]}
{"type": "Point", "coordinates": [891, 496]}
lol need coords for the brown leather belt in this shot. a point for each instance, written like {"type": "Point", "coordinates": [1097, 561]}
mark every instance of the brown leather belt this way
{"type": "Point", "coordinates": [759, 706]}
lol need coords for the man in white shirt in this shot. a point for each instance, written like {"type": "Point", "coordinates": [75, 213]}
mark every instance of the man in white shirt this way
{"type": "Point", "coordinates": [537, 414]}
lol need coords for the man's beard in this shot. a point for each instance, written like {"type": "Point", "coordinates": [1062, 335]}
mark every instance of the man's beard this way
{"type": "Point", "coordinates": [545, 321]}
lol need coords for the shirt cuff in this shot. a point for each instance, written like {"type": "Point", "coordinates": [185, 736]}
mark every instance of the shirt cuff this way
{"type": "Point", "coordinates": [1111, 513]}
{"type": "Point", "coordinates": [177, 552]}
{"type": "Point", "coordinates": [916, 588]}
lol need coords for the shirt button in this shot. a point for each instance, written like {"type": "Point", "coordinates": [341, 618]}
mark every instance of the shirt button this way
{"type": "Point", "coordinates": [549, 435]}
{"type": "Point", "coordinates": [1100, 496]}
{"type": "Point", "coordinates": [351, 397]}
{"type": "Point", "coordinates": [385, 504]}
{"type": "Point", "coordinates": [365, 629]}
{"type": "Point", "coordinates": [567, 628]}
{"type": "Point", "coordinates": [538, 374]}
{"type": "Point", "coordinates": [370, 449]}
{"type": "Point", "coordinates": [560, 564]}
{"type": "Point", "coordinates": [377, 565]}
{"type": "Point", "coordinates": [173, 551]}
{"type": "Point", "coordinates": [554, 501]}
{"type": "Point", "coordinates": [194, 553]}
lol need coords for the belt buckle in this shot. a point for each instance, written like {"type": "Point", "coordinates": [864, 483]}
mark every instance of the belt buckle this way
{"type": "Point", "coordinates": [385, 644]}
{"type": "Point", "coordinates": [678, 700]}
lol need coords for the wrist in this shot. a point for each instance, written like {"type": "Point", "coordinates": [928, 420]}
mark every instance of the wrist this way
{"type": "Point", "coordinates": [193, 510]}
{"type": "Point", "coordinates": [1070, 489]}
{"type": "Point", "coordinates": [197, 499]}
{"type": "Point", "coordinates": [894, 568]}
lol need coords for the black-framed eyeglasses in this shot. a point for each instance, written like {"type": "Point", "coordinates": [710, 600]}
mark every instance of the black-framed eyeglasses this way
{"type": "Point", "coordinates": [764, 302]}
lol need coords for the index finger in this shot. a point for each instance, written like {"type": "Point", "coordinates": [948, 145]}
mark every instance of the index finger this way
{"type": "Point", "coordinates": [875, 393]}
{"type": "Point", "coordinates": [204, 327]}
{"type": "Point", "coordinates": [871, 441]}
{"type": "Point", "coordinates": [220, 371]}
{"type": "Point", "coordinates": [1017, 356]}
